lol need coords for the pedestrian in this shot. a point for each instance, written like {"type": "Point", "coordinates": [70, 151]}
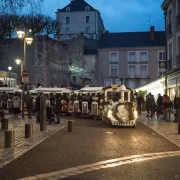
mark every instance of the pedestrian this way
{"type": "Point", "coordinates": [29, 104]}
{"type": "Point", "coordinates": [57, 108]}
{"type": "Point", "coordinates": [37, 108]}
{"type": "Point", "coordinates": [177, 100]}
{"type": "Point", "coordinates": [150, 105]}
{"type": "Point", "coordinates": [16, 101]}
{"type": "Point", "coordinates": [167, 108]}
{"type": "Point", "coordinates": [140, 101]}
{"type": "Point", "coordinates": [49, 113]}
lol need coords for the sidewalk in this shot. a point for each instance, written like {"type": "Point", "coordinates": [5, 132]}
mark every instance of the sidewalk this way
{"type": "Point", "coordinates": [23, 145]}
{"type": "Point", "coordinates": [168, 130]}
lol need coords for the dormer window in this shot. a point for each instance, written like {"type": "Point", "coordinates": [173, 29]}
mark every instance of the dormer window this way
{"type": "Point", "coordinates": [68, 9]}
{"type": "Point", "coordinates": [87, 8]}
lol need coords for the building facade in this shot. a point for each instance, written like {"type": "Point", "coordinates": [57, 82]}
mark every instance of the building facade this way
{"type": "Point", "coordinates": [134, 58]}
{"type": "Point", "coordinates": [172, 24]}
{"type": "Point", "coordinates": [79, 17]}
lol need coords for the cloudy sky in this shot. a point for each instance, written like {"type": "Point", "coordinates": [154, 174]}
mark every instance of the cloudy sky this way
{"type": "Point", "coordinates": [120, 15]}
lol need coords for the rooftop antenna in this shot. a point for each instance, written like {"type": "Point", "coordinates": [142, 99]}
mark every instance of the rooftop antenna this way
{"type": "Point", "coordinates": [149, 19]}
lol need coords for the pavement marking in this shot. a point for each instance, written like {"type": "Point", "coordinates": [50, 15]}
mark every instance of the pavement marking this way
{"type": "Point", "coordinates": [173, 138]}
{"type": "Point", "coordinates": [101, 165]}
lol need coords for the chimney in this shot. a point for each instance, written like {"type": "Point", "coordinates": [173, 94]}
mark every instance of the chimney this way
{"type": "Point", "coordinates": [152, 34]}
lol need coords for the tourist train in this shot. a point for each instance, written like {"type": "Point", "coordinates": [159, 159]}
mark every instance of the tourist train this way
{"type": "Point", "coordinates": [115, 105]}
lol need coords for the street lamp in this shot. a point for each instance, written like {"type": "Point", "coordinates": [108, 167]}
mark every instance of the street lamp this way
{"type": "Point", "coordinates": [28, 40]}
{"type": "Point", "coordinates": [19, 62]}
{"type": "Point", "coordinates": [9, 68]}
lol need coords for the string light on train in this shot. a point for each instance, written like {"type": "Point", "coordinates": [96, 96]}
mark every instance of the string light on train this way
{"type": "Point", "coordinates": [75, 69]}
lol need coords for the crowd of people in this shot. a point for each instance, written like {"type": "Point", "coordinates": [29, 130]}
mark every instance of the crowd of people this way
{"type": "Point", "coordinates": [12, 103]}
{"type": "Point", "coordinates": [162, 106]}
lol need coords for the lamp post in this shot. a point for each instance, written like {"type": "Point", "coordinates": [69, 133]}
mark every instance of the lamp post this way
{"type": "Point", "coordinates": [19, 62]}
{"type": "Point", "coordinates": [28, 40]}
{"type": "Point", "coordinates": [9, 68]}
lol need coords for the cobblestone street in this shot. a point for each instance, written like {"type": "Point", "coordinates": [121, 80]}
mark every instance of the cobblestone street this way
{"type": "Point", "coordinates": [21, 144]}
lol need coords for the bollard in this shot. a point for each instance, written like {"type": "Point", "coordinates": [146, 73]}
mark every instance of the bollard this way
{"type": "Point", "coordinates": [70, 126]}
{"type": "Point", "coordinates": [42, 113]}
{"type": "Point", "coordinates": [28, 130]}
{"type": "Point", "coordinates": [4, 124]}
{"type": "Point", "coordinates": [9, 139]}
{"type": "Point", "coordinates": [178, 127]}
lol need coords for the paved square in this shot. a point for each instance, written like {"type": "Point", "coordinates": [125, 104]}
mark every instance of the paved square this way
{"type": "Point", "coordinates": [22, 145]}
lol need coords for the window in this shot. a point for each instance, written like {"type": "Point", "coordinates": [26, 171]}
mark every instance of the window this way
{"type": "Point", "coordinates": [162, 56]}
{"type": "Point", "coordinates": [87, 8]}
{"type": "Point", "coordinates": [68, 9]}
{"type": "Point", "coordinates": [170, 50]}
{"type": "Point", "coordinates": [113, 57]}
{"type": "Point", "coordinates": [67, 30]}
{"type": "Point", "coordinates": [143, 71]}
{"type": "Point", "coordinates": [118, 82]}
{"type": "Point", "coordinates": [132, 57]}
{"type": "Point", "coordinates": [178, 44]}
{"type": "Point", "coordinates": [113, 70]}
{"type": "Point", "coordinates": [132, 70]}
{"type": "Point", "coordinates": [107, 82]}
{"type": "Point", "coordinates": [87, 29]}
{"type": "Point", "coordinates": [169, 16]}
{"type": "Point", "coordinates": [143, 56]}
{"type": "Point", "coordinates": [87, 19]}
{"type": "Point", "coordinates": [67, 20]}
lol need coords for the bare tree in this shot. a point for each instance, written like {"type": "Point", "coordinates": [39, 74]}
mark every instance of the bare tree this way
{"type": "Point", "coordinates": [8, 24]}
{"type": "Point", "coordinates": [15, 6]}
{"type": "Point", "coordinates": [34, 22]}
{"type": "Point", "coordinates": [50, 27]}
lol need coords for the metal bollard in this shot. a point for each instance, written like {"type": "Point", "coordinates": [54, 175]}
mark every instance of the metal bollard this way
{"type": "Point", "coordinates": [70, 126]}
{"type": "Point", "coordinates": [42, 113]}
{"type": "Point", "coordinates": [4, 124]}
{"type": "Point", "coordinates": [28, 130]}
{"type": "Point", "coordinates": [9, 139]}
{"type": "Point", "coordinates": [178, 127]}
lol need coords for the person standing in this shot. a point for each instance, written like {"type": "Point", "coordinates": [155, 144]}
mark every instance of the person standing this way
{"type": "Point", "coordinates": [58, 107]}
{"type": "Point", "coordinates": [177, 101]}
{"type": "Point", "coordinates": [140, 101]}
{"type": "Point", "coordinates": [37, 108]}
{"type": "Point", "coordinates": [16, 101]}
{"type": "Point", "coordinates": [29, 104]}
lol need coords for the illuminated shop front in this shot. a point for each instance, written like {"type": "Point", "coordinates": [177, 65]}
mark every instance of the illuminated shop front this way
{"type": "Point", "coordinates": [8, 78]}
{"type": "Point", "coordinates": [173, 85]}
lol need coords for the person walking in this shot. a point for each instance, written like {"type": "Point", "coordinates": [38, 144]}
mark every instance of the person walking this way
{"type": "Point", "coordinates": [58, 107]}
{"type": "Point", "coordinates": [16, 101]}
{"type": "Point", "coordinates": [167, 108]}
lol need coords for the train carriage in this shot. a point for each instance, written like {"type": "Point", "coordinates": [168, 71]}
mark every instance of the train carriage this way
{"type": "Point", "coordinates": [85, 101]}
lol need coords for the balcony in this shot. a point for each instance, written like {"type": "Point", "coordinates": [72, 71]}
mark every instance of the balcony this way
{"type": "Point", "coordinates": [138, 76]}
{"type": "Point", "coordinates": [178, 20]}
{"type": "Point", "coordinates": [169, 29]}
{"type": "Point", "coordinates": [178, 61]}
{"type": "Point", "coordinates": [169, 64]}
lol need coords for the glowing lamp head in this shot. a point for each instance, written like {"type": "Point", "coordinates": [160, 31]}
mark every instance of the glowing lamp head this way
{"type": "Point", "coordinates": [18, 61]}
{"type": "Point", "coordinates": [9, 68]}
{"type": "Point", "coordinates": [20, 34]}
{"type": "Point", "coordinates": [29, 40]}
